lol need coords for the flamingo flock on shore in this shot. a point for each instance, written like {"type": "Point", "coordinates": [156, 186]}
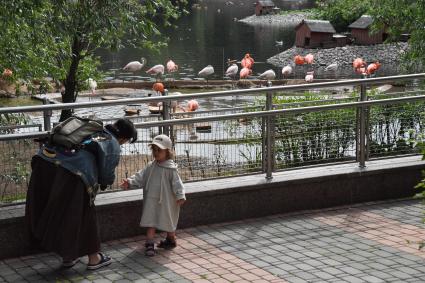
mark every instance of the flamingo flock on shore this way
{"type": "Point", "coordinates": [246, 69]}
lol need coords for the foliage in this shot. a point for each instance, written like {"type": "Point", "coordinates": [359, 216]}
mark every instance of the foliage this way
{"type": "Point", "coordinates": [342, 13]}
{"type": "Point", "coordinates": [58, 38]}
{"type": "Point", "coordinates": [396, 17]}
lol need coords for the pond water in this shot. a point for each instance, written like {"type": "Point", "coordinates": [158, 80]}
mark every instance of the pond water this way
{"type": "Point", "coordinates": [209, 35]}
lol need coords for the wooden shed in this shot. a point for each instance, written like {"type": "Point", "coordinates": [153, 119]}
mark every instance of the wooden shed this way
{"type": "Point", "coordinates": [340, 40]}
{"type": "Point", "coordinates": [361, 34]}
{"type": "Point", "coordinates": [314, 33]}
{"type": "Point", "coordinates": [264, 7]}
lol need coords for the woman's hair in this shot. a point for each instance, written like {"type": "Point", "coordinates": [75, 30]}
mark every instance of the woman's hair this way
{"type": "Point", "coordinates": [123, 128]}
{"type": "Point", "coordinates": [170, 152]}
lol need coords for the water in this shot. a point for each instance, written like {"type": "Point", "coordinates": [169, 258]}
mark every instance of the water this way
{"type": "Point", "coordinates": [209, 35]}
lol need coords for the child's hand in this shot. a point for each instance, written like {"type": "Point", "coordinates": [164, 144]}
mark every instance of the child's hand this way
{"type": "Point", "coordinates": [125, 184]}
{"type": "Point", "coordinates": [180, 201]}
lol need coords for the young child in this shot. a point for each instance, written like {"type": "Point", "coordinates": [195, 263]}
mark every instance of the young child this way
{"type": "Point", "coordinates": [163, 194]}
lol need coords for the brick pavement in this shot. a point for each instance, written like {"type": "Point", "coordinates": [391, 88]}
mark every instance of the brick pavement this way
{"type": "Point", "coordinates": [374, 242]}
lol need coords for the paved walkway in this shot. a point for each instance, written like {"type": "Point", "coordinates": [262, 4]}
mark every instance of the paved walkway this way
{"type": "Point", "coordinates": [375, 242]}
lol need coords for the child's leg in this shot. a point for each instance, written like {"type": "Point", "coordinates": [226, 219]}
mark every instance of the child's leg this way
{"type": "Point", "coordinates": [150, 233]}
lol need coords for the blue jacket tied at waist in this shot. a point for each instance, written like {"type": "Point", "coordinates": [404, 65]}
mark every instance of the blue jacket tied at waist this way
{"type": "Point", "coordinates": [95, 163]}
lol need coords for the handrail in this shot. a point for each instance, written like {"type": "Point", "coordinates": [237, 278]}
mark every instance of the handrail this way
{"type": "Point", "coordinates": [76, 105]}
{"type": "Point", "coordinates": [307, 109]}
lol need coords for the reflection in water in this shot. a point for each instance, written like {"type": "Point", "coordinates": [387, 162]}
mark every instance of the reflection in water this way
{"type": "Point", "coordinates": [209, 35]}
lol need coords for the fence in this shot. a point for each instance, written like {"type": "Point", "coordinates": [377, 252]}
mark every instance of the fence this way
{"type": "Point", "coordinates": [279, 129]}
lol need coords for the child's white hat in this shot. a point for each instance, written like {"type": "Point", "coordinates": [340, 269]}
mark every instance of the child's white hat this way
{"type": "Point", "coordinates": [162, 141]}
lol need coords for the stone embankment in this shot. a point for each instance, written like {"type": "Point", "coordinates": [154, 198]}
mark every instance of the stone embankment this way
{"type": "Point", "coordinates": [285, 19]}
{"type": "Point", "coordinates": [389, 54]}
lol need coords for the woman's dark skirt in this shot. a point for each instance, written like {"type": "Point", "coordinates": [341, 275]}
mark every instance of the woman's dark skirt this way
{"type": "Point", "coordinates": [58, 212]}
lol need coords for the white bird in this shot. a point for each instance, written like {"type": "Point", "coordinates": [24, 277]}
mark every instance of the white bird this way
{"type": "Point", "coordinates": [157, 70]}
{"type": "Point", "coordinates": [268, 75]}
{"type": "Point", "coordinates": [92, 85]}
{"type": "Point", "coordinates": [286, 71]}
{"type": "Point", "coordinates": [135, 66]}
{"type": "Point", "coordinates": [232, 71]}
{"type": "Point", "coordinates": [279, 43]}
{"type": "Point", "coordinates": [309, 77]}
{"type": "Point", "coordinates": [206, 72]}
{"type": "Point", "coordinates": [332, 67]}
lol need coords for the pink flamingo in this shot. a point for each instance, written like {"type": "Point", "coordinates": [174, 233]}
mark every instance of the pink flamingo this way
{"type": "Point", "coordinates": [247, 61]}
{"type": "Point", "coordinates": [171, 66]}
{"type": "Point", "coordinates": [244, 73]}
{"type": "Point", "coordinates": [372, 68]}
{"type": "Point", "coordinates": [309, 58]}
{"type": "Point", "coordinates": [286, 71]}
{"type": "Point", "coordinates": [135, 66]}
{"type": "Point", "coordinates": [309, 77]}
{"type": "Point", "coordinates": [157, 70]}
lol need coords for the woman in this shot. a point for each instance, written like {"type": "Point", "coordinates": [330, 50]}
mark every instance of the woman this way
{"type": "Point", "coordinates": [60, 210]}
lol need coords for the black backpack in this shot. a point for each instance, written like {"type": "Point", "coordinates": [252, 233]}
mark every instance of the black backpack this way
{"type": "Point", "coordinates": [73, 131]}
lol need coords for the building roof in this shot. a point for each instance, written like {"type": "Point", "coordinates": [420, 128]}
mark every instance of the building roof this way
{"type": "Point", "coordinates": [362, 23]}
{"type": "Point", "coordinates": [318, 26]}
{"type": "Point", "coordinates": [266, 3]}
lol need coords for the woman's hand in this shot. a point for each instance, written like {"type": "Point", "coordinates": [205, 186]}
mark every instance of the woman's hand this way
{"type": "Point", "coordinates": [180, 201]}
{"type": "Point", "coordinates": [125, 184]}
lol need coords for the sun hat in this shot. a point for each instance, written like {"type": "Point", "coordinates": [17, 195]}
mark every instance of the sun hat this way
{"type": "Point", "coordinates": [162, 141]}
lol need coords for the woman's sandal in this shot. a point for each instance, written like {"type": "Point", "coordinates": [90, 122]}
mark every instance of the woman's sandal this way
{"type": "Point", "coordinates": [104, 261]}
{"type": "Point", "coordinates": [70, 263]}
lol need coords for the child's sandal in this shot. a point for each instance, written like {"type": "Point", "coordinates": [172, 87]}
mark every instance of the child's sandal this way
{"type": "Point", "coordinates": [167, 244]}
{"type": "Point", "coordinates": [149, 249]}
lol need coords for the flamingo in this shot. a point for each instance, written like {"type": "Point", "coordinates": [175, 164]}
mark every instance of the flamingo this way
{"type": "Point", "coordinates": [247, 61]}
{"type": "Point", "coordinates": [358, 63]}
{"type": "Point", "coordinates": [232, 71]}
{"type": "Point", "coordinates": [157, 70]}
{"type": "Point", "coordinates": [135, 66]}
{"type": "Point", "coordinates": [372, 68]}
{"type": "Point", "coordinates": [92, 85]}
{"type": "Point", "coordinates": [299, 60]}
{"type": "Point", "coordinates": [286, 71]}
{"type": "Point", "coordinates": [309, 58]}
{"type": "Point", "coordinates": [192, 105]}
{"type": "Point", "coordinates": [244, 73]}
{"type": "Point", "coordinates": [309, 77]}
{"type": "Point", "coordinates": [332, 67]}
{"type": "Point", "coordinates": [268, 75]}
{"type": "Point", "coordinates": [206, 72]}
{"type": "Point", "coordinates": [171, 66]}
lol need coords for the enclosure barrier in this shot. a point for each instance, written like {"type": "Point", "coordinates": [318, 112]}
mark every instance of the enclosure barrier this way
{"type": "Point", "coordinates": [270, 136]}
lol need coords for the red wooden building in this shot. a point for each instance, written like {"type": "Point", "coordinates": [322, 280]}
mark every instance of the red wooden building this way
{"type": "Point", "coordinates": [265, 7]}
{"type": "Point", "coordinates": [361, 34]}
{"type": "Point", "coordinates": [314, 33]}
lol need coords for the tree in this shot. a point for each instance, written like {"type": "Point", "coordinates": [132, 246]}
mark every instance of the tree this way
{"type": "Point", "coordinates": [342, 13]}
{"type": "Point", "coordinates": [58, 38]}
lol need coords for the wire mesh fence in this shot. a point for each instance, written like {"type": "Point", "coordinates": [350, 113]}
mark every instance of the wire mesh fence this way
{"type": "Point", "coordinates": [236, 146]}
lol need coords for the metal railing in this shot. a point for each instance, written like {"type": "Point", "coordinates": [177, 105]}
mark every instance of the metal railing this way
{"type": "Point", "coordinates": [260, 138]}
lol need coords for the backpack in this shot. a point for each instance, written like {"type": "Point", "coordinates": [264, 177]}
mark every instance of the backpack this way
{"type": "Point", "coordinates": [73, 131]}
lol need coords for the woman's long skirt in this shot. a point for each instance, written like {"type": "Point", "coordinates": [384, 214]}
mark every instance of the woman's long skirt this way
{"type": "Point", "coordinates": [58, 212]}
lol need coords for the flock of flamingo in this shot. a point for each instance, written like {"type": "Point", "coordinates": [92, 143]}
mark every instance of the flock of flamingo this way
{"type": "Point", "coordinates": [247, 63]}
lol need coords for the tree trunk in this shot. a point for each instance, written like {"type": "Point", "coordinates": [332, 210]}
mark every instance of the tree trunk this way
{"type": "Point", "coordinates": [71, 79]}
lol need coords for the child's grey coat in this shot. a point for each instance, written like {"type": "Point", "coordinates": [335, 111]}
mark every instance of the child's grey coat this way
{"type": "Point", "coordinates": [162, 187]}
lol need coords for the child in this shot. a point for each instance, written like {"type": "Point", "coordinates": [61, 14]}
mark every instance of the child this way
{"type": "Point", "coordinates": [163, 194]}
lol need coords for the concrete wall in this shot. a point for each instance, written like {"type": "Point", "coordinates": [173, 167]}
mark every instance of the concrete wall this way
{"type": "Point", "coordinates": [242, 197]}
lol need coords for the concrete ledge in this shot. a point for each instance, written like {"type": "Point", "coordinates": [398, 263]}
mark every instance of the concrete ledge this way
{"type": "Point", "coordinates": [243, 197]}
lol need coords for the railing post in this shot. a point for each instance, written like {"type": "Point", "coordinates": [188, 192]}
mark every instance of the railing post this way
{"type": "Point", "coordinates": [166, 114]}
{"type": "Point", "coordinates": [362, 130]}
{"type": "Point", "coordinates": [47, 114]}
{"type": "Point", "coordinates": [269, 135]}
